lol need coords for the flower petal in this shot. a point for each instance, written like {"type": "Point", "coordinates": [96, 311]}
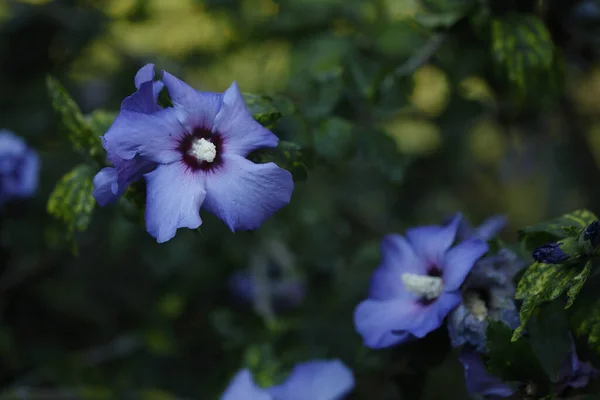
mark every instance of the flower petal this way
{"type": "Point", "coordinates": [144, 99]}
{"type": "Point", "coordinates": [478, 380]}
{"type": "Point", "coordinates": [105, 186]}
{"type": "Point", "coordinates": [173, 199]}
{"type": "Point", "coordinates": [242, 387]}
{"type": "Point", "coordinates": [459, 260]}
{"type": "Point", "coordinates": [154, 136]}
{"type": "Point", "coordinates": [144, 74]}
{"type": "Point", "coordinates": [240, 132]}
{"type": "Point", "coordinates": [130, 171]}
{"type": "Point", "coordinates": [316, 380]}
{"type": "Point", "coordinates": [397, 257]}
{"type": "Point", "coordinates": [243, 194]}
{"type": "Point", "coordinates": [490, 227]}
{"type": "Point", "coordinates": [431, 242]}
{"type": "Point", "coordinates": [194, 109]}
{"type": "Point", "coordinates": [386, 323]}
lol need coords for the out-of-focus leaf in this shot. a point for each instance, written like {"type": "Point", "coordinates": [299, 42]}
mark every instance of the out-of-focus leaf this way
{"type": "Point", "coordinates": [101, 120]}
{"type": "Point", "coordinates": [585, 319]}
{"type": "Point", "coordinates": [545, 282]}
{"type": "Point", "coordinates": [84, 138]}
{"type": "Point", "coordinates": [443, 13]}
{"type": "Point", "coordinates": [512, 361]}
{"type": "Point", "coordinates": [333, 138]}
{"type": "Point", "coordinates": [400, 39]}
{"type": "Point", "coordinates": [550, 338]}
{"type": "Point", "coordinates": [71, 201]}
{"type": "Point", "coordinates": [287, 155]}
{"type": "Point", "coordinates": [521, 46]}
{"type": "Point", "coordinates": [555, 229]}
{"type": "Point", "coordinates": [156, 394]}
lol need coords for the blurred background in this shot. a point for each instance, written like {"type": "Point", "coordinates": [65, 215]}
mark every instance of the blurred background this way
{"type": "Point", "coordinates": [407, 111]}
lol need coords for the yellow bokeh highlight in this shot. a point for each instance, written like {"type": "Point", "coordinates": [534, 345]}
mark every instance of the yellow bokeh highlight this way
{"type": "Point", "coordinates": [431, 91]}
{"type": "Point", "coordinates": [586, 92]}
{"type": "Point", "coordinates": [4, 11]}
{"type": "Point", "coordinates": [118, 8]}
{"type": "Point", "coordinates": [400, 9]}
{"type": "Point", "coordinates": [257, 10]}
{"type": "Point", "coordinates": [100, 57]}
{"type": "Point", "coordinates": [264, 67]}
{"type": "Point", "coordinates": [476, 88]}
{"type": "Point", "coordinates": [414, 136]}
{"type": "Point", "coordinates": [176, 27]}
{"type": "Point", "coordinates": [487, 142]}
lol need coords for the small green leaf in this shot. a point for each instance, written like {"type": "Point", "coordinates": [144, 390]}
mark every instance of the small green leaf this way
{"type": "Point", "coordinates": [521, 46]}
{"type": "Point", "coordinates": [512, 361]}
{"type": "Point", "coordinates": [83, 137]}
{"type": "Point", "coordinates": [287, 155]}
{"type": "Point", "coordinates": [262, 109]}
{"type": "Point", "coordinates": [545, 282]}
{"type": "Point", "coordinates": [577, 284]}
{"type": "Point", "coordinates": [550, 338]}
{"type": "Point", "coordinates": [71, 201]}
{"type": "Point", "coordinates": [553, 230]}
{"type": "Point", "coordinates": [572, 231]}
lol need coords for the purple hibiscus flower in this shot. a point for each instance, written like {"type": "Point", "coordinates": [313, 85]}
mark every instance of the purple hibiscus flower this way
{"type": "Point", "coordinates": [19, 168]}
{"type": "Point", "coordinates": [478, 380]}
{"type": "Point", "coordinates": [111, 182]}
{"type": "Point", "coordinates": [488, 292]}
{"type": "Point", "coordinates": [574, 373]}
{"type": "Point", "coordinates": [200, 145]}
{"type": "Point", "coordinates": [314, 380]}
{"type": "Point", "coordinates": [416, 285]}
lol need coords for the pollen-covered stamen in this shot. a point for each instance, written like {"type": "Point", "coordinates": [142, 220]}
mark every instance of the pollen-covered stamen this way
{"type": "Point", "coordinates": [428, 287]}
{"type": "Point", "coordinates": [475, 304]}
{"type": "Point", "coordinates": [203, 150]}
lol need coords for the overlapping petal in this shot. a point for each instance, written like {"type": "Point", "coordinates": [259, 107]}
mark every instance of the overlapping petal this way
{"type": "Point", "coordinates": [242, 387]}
{"type": "Point", "coordinates": [459, 260]}
{"type": "Point", "coordinates": [398, 257]}
{"type": "Point", "coordinates": [105, 186]}
{"type": "Point", "coordinates": [431, 242]}
{"type": "Point", "coordinates": [154, 136]}
{"type": "Point", "coordinates": [316, 380]}
{"type": "Point", "coordinates": [173, 200]}
{"type": "Point", "coordinates": [243, 194]}
{"type": "Point", "coordinates": [240, 132]}
{"type": "Point", "coordinates": [193, 108]}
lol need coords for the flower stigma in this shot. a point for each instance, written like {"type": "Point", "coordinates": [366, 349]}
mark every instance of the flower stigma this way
{"type": "Point", "coordinates": [476, 305]}
{"type": "Point", "coordinates": [429, 287]}
{"type": "Point", "coordinates": [203, 150]}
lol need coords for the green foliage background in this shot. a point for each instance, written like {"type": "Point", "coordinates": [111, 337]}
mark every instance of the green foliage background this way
{"type": "Point", "coordinates": [392, 113]}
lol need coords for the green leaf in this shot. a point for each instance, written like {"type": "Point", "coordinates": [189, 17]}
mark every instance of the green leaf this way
{"type": "Point", "coordinates": [71, 201]}
{"type": "Point", "coordinates": [550, 338]}
{"type": "Point", "coordinates": [333, 139]}
{"type": "Point", "coordinates": [101, 120]}
{"type": "Point", "coordinates": [545, 282]}
{"type": "Point", "coordinates": [443, 13]}
{"type": "Point", "coordinates": [521, 46]}
{"type": "Point", "coordinates": [553, 230]}
{"type": "Point", "coordinates": [83, 137]}
{"type": "Point", "coordinates": [585, 318]}
{"type": "Point", "coordinates": [263, 109]}
{"type": "Point", "coordinates": [287, 155]}
{"type": "Point", "coordinates": [512, 361]}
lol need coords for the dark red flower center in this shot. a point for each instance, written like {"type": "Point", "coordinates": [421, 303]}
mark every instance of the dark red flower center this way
{"type": "Point", "coordinates": [202, 149]}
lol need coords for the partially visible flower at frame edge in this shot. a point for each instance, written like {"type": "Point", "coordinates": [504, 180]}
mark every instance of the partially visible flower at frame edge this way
{"type": "Point", "coordinates": [417, 284]}
{"type": "Point", "coordinates": [573, 374]}
{"type": "Point", "coordinates": [199, 147]}
{"type": "Point", "coordinates": [19, 168]}
{"type": "Point", "coordinates": [314, 380]}
{"type": "Point", "coordinates": [488, 292]}
{"type": "Point", "coordinates": [111, 182]}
